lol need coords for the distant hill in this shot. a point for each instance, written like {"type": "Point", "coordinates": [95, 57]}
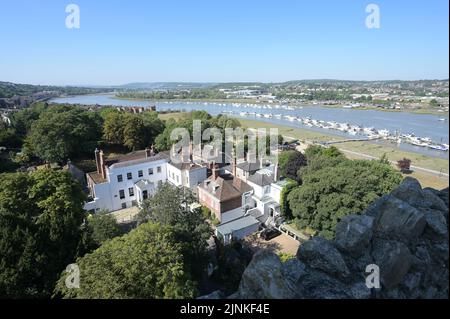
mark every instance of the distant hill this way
{"type": "Point", "coordinates": [165, 85]}
{"type": "Point", "coordinates": [9, 90]}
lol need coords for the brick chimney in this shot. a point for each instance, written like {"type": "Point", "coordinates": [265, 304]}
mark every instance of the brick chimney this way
{"type": "Point", "coordinates": [148, 152]}
{"type": "Point", "coordinates": [215, 172]}
{"type": "Point", "coordinates": [237, 183]}
{"type": "Point", "coordinates": [102, 164]}
{"type": "Point", "coordinates": [97, 161]}
{"type": "Point", "coordinates": [191, 151]}
{"type": "Point", "coordinates": [233, 166]}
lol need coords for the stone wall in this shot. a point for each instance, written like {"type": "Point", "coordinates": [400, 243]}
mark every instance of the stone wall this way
{"type": "Point", "coordinates": [404, 233]}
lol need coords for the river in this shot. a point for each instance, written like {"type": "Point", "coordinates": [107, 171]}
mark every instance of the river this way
{"type": "Point", "coordinates": [422, 125]}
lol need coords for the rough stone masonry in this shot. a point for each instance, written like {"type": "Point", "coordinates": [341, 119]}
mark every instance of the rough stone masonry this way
{"type": "Point", "coordinates": [404, 233]}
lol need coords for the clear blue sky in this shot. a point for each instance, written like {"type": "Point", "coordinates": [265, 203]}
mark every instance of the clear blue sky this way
{"type": "Point", "coordinates": [221, 41]}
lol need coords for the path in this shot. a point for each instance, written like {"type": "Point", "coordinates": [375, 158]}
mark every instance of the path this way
{"type": "Point", "coordinates": [434, 172]}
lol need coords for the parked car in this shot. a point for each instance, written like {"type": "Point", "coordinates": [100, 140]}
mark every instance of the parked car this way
{"type": "Point", "coordinates": [270, 233]}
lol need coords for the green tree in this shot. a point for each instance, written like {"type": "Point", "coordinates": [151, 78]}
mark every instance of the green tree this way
{"type": "Point", "coordinates": [133, 132]}
{"type": "Point", "coordinates": [284, 203]}
{"type": "Point", "coordinates": [64, 133]}
{"type": "Point", "coordinates": [113, 127]}
{"type": "Point", "coordinates": [335, 189]}
{"type": "Point", "coordinates": [170, 205]}
{"type": "Point", "coordinates": [102, 227]}
{"type": "Point", "coordinates": [290, 162]}
{"type": "Point", "coordinates": [41, 214]}
{"type": "Point", "coordinates": [145, 263]}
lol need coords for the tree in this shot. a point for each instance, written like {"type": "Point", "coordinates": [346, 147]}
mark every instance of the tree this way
{"type": "Point", "coordinates": [404, 165]}
{"type": "Point", "coordinates": [290, 162]}
{"type": "Point", "coordinates": [337, 189]}
{"type": "Point", "coordinates": [41, 214]}
{"type": "Point", "coordinates": [134, 131]}
{"type": "Point", "coordinates": [284, 203]}
{"type": "Point", "coordinates": [145, 263]}
{"type": "Point", "coordinates": [102, 227]}
{"type": "Point", "coordinates": [62, 133]}
{"type": "Point", "coordinates": [113, 127]}
{"type": "Point", "coordinates": [170, 205]}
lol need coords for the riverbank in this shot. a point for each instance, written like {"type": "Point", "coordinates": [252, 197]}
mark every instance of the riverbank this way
{"type": "Point", "coordinates": [425, 111]}
{"type": "Point", "coordinates": [436, 177]}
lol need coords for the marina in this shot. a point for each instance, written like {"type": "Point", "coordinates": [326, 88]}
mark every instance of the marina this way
{"type": "Point", "coordinates": [420, 133]}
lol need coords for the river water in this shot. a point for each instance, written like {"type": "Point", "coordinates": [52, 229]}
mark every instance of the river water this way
{"type": "Point", "coordinates": [422, 125]}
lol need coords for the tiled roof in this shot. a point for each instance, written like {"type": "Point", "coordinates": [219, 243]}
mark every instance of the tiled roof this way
{"type": "Point", "coordinates": [97, 178]}
{"type": "Point", "coordinates": [261, 179]}
{"type": "Point", "coordinates": [225, 187]}
{"type": "Point", "coordinates": [249, 167]}
{"type": "Point", "coordinates": [185, 166]}
{"type": "Point", "coordinates": [134, 158]}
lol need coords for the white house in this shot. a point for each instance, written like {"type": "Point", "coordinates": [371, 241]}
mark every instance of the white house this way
{"type": "Point", "coordinates": [262, 207]}
{"type": "Point", "coordinates": [189, 175]}
{"type": "Point", "coordinates": [125, 181]}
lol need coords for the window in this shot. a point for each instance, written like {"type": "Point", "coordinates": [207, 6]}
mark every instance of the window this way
{"type": "Point", "coordinates": [140, 173]}
{"type": "Point", "coordinates": [158, 169]}
{"type": "Point", "coordinates": [266, 190]}
{"type": "Point", "coordinates": [150, 171]}
{"type": "Point", "coordinates": [131, 191]}
{"type": "Point", "coordinates": [124, 205]}
{"type": "Point", "coordinates": [119, 178]}
{"type": "Point", "coordinates": [122, 194]}
{"type": "Point", "coordinates": [129, 175]}
{"type": "Point", "coordinates": [178, 179]}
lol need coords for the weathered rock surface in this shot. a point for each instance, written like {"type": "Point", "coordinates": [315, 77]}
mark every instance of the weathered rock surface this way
{"type": "Point", "coordinates": [354, 233]}
{"type": "Point", "coordinates": [320, 254]}
{"type": "Point", "coordinates": [404, 234]}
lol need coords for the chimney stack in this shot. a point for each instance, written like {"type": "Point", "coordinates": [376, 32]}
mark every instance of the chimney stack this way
{"type": "Point", "coordinates": [215, 171]}
{"type": "Point", "coordinates": [233, 166]}
{"type": "Point", "coordinates": [147, 152]}
{"type": "Point", "coordinates": [97, 161]}
{"type": "Point", "coordinates": [237, 183]}
{"type": "Point", "coordinates": [102, 164]}
{"type": "Point", "coordinates": [276, 173]}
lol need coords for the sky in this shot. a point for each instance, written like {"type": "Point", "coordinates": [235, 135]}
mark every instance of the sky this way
{"type": "Point", "coordinates": [120, 42]}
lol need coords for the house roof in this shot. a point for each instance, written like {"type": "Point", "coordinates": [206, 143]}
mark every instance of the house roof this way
{"type": "Point", "coordinates": [237, 224]}
{"type": "Point", "coordinates": [261, 179]}
{"type": "Point", "coordinates": [97, 178]}
{"type": "Point", "coordinates": [249, 166]}
{"type": "Point", "coordinates": [186, 166]}
{"type": "Point", "coordinates": [225, 187]}
{"type": "Point", "coordinates": [134, 158]}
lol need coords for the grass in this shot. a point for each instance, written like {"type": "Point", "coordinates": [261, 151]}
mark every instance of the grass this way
{"type": "Point", "coordinates": [367, 148]}
{"type": "Point", "coordinates": [176, 116]}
